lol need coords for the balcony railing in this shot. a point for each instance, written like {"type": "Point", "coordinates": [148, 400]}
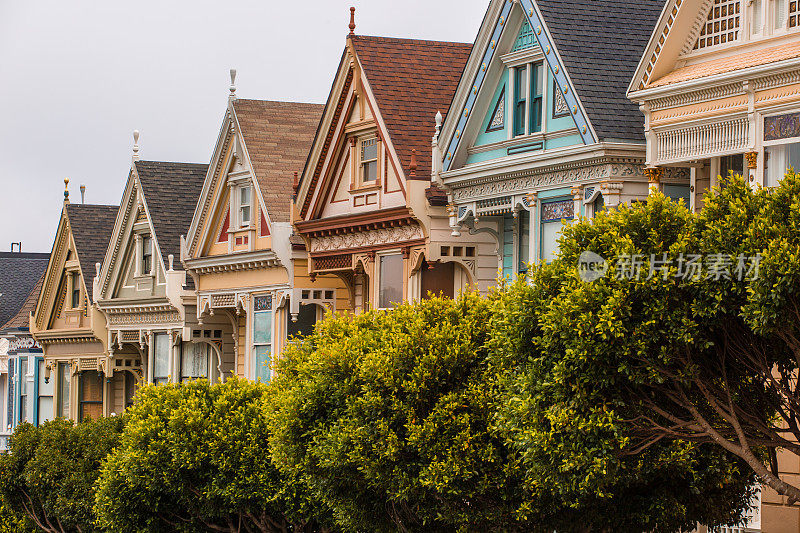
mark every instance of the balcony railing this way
{"type": "Point", "coordinates": [702, 141]}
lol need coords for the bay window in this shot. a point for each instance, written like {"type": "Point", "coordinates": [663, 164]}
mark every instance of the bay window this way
{"type": "Point", "coordinates": [262, 337]}
{"type": "Point", "coordinates": [390, 280]}
{"type": "Point", "coordinates": [161, 349]}
{"type": "Point", "coordinates": [523, 242]}
{"type": "Point", "coordinates": [528, 89]}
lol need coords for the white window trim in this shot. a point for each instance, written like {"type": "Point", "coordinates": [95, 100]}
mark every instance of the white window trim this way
{"type": "Point", "coordinates": [377, 284]}
{"type": "Point", "coordinates": [250, 360]}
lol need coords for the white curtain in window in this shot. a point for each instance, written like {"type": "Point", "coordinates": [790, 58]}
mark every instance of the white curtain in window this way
{"type": "Point", "coordinates": [777, 161]}
{"type": "Point", "coordinates": [550, 234]}
{"type": "Point", "coordinates": [161, 353]}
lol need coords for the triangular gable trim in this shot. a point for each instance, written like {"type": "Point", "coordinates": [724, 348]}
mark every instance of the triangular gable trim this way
{"type": "Point", "coordinates": [52, 282]}
{"type": "Point", "coordinates": [114, 253]}
{"type": "Point", "coordinates": [655, 46]}
{"type": "Point", "coordinates": [554, 62]}
{"type": "Point", "coordinates": [200, 232]}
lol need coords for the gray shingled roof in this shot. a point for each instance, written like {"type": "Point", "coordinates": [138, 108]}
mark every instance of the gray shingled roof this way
{"type": "Point", "coordinates": [19, 273]}
{"type": "Point", "coordinates": [601, 43]}
{"type": "Point", "coordinates": [91, 230]}
{"type": "Point", "coordinates": [171, 191]}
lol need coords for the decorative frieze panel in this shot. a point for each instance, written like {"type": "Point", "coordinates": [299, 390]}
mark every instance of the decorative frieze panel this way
{"type": "Point", "coordinates": [518, 182]}
{"type": "Point", "coordinates": [333, 262]}
{"type": "Point", "coordinates": [364, 239]}
{"type": "Point", "coordinates": [158, 317]}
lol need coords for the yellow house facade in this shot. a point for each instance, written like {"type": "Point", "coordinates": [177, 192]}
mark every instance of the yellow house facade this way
{"type": "Point", "coordinates": [69, 327]}
{"type": "Point", "coordinates": [240, 250]}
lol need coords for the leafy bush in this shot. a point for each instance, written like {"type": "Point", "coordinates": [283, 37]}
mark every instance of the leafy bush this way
{"type": "Point", "coordinates": [49, 474]}
{"type": "Point", "coordinates": [196, 457]}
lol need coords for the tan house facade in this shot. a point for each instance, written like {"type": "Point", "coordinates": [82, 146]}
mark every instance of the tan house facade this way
{"type": "Point", "coordinates": [147, 300]}
{"type": "Point", "coordinates": [365, 205]}
{"type": "Point", "coordinates": [719, 85]}
{"type": "Point", "coordinates": [70, 329]}
{"type": "Point", "coordinates": [247, 267]}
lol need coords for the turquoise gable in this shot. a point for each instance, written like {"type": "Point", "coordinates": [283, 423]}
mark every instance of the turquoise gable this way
{"type": "Point", "coordinates": [525, 39]}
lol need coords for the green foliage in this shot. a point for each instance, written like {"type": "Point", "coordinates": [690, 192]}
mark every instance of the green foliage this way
{"type": "Point", "coordinates": [386, 416]}
{"type": "Point", "coordinates": [48, 476]}
{"type": "Point", "coordinates": [196, 457]}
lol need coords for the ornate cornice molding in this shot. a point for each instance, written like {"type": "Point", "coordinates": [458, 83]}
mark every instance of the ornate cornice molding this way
{"type": "Point", "coordinates": [259, 260]}
{"type": "Point", "coordinates": [365, 239]}
{"type": "Point", "coordinates": [521, 181]}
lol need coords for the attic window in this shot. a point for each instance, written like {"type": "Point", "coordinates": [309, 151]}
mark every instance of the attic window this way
{"type": "Point", "coordinates": [722, 25]}
{"type": "Point", "coordinates": [244, 206]}
{"type": "Point", "coordinates": [369, 160]}
{"type": "Point", "coordinates": [147, 255]}
{"type": "Point", "coordinates": [526, 38]}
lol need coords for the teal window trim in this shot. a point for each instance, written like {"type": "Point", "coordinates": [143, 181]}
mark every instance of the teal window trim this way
{"type": "Point", "coordinates": [36, 390]}
{"type": "Point", "coordinates": [520, 99]}
{"type": "Point", "coordinates": [537, 84]}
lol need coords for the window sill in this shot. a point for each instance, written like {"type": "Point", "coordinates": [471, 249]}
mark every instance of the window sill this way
{"type": "Point", "coordinates": [365, 188]}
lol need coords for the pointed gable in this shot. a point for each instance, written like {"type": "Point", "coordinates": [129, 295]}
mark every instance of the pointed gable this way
{"type": "Point", "coordinates": [277, 136]}
{"type": "Point", "coordinates": [411, 80]}
{"type": "Point", "coordinates": [21, 320]}
{"type": "Point", "coordinates": [601, 43]}
{"type": "Point", "coordinates": [171, 191]}
{"type": "Point", "coordinates": [91, 227]}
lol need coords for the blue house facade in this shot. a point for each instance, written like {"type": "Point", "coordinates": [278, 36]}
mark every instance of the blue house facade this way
{"type": "Point", "coordinates": [540, 131]}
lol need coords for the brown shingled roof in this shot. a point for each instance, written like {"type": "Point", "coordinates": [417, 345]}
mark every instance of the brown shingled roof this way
{"type": "Point", "coordinates": [91, 227]}
{"type": "Point", "coordinates": [411, 81]}
{"type": "Point", "coordinates": [278, 136]}
{"type": "Point", "coordinates": [21, 319]}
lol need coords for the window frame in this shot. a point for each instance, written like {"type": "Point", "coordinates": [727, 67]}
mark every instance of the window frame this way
{"type": "Point", "coordinates": [268, 310]}
{"type": "Point", "coordinates": [40, 383]}
{"type": "Point", "coordinates": [241, 205]}
{"type": "Point", "coordinates": [146, 265]}
{"type": "Point", "coordinates": [184, 377]}
{"type": "Point", "coordinates": [75, 296]}
{"type": "Point", "coordinates": [529, 95]}
{"type": "Point", "coordinates": [160, 379]}
{"type": "Point", "coordinates": [361, 143]}
{"type": "Point", "coordinates": [62, 379]}
{"type": "Point", "coordinates": [81, 401]}
{"type": "Point", "coordinates": [542, 222]}
{"type": "Point", "coordinates": [379, 281]}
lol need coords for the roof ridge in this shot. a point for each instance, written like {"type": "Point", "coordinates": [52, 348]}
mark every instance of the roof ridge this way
{"type": "Point", "coordinates": [259, 100]}
{"type": "Point", "coordinates": [169, 162]}
{"type": "Point", "coordinates": [408, 39]}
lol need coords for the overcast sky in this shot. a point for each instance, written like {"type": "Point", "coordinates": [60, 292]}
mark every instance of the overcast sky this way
{"type": "Point", "coordinates": [77, 77]}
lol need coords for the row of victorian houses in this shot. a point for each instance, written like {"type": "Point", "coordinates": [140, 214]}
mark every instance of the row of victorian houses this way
{"type": "Point", "coordinates": [433, 167]}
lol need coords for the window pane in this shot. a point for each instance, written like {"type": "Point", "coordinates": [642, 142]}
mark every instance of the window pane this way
{"type": "Point", "coordinates": [91, 395]}
{"type": "Point", "coordinates": [370, 150]}
{"type": "Point", "coordinates": [262, 327]}
{"type": "Point", "coordinates": [793, 156]}
{"type": "Point", "coordinates": [370, 171]}
{"type": "Point", "coordinates": [45, 409]}
{"type": "Point", "coordinates": [130, 389]}
{"type": "Point", "coordinates": [245, 196]}
{"type": "Point", "coordinates": [391, 280]}
{"type": "Point", "coordinates": [263, 359]}
{"type": "Point", "coordinates": [524, 218]}
{"type": "Point", "coordinates": [550, 233]}
{"type": "Point", "coordinates": [194, 363]}
{"type": "Point", "coordinates": [161, 353]}
{"type": "Point", "coordinates": [23, 375]}
{"type": "Point", "coordinates": [63, 390]}
{"type": "Point", "coordinates": [520, 97]}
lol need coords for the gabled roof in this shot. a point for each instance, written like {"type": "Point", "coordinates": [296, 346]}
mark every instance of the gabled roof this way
{"type": "Point", "coordinates": [91, 227]}
{"type": "Point", "coordinates": [411, 80]}
{"type": "Point", "coordinates": [277, 137]}
{"type": "Point", "coordinates": [19, 273]}
{"type": "Point", "coordinates": [170, 191]}
{"type": "Point", "coordinates": [601, 43]}
{"type": "Point", "coordinates": [21, 320]}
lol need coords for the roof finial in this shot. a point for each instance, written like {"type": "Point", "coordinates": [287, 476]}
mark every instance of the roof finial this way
{"type": "Point", "coordinates": [295, 184]}
{"type": "Point", "coordinates": [413, 166]}
{"type": "Point", "coordinates": [66, 190]}
{"type": "Point", "coordinates": [438, 122]}
{"type": "Point", "coordinates": [233, 83]}
{"type": "Point", "coordinates": [352, 21]}
{"type": "Point", "coordinates": [135, 145]}
{"type": "Point", "coordinates": [83, 194]}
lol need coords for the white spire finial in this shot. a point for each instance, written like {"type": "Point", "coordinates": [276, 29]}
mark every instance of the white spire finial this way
{"type": "Point", "coordinates": [438, 122]}
{"type": "Point", "coordinates": [233, 83]}
{"type": "Point", "coordinates": [135, 145]}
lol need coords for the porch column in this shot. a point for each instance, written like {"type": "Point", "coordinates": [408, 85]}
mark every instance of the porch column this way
{"type": "Point", "coordinates": [654, 178]}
